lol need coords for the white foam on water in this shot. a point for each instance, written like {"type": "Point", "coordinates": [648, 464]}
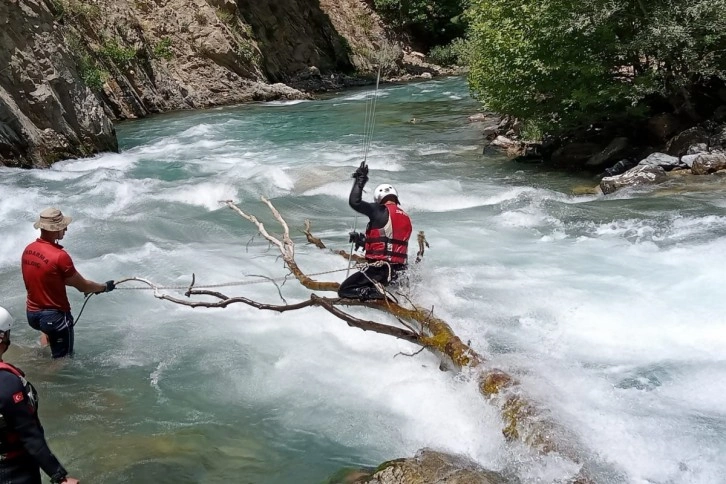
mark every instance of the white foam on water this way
{"type": "Point", "coordinates": [207, 195]}
{"type": "Point", "coordinates": [291, 102]}
{"type": "Point", "coordinates": [610, 315]}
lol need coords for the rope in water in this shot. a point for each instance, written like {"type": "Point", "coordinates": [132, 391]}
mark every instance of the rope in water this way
{"type": "Point", "coordinates": [226, 284]}
{"type": "Point", "coordinates": [362, 266]}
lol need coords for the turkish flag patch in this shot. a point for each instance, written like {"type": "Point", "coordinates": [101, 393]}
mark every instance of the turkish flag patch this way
{"type": "Point", "coordinates": [18, 397]}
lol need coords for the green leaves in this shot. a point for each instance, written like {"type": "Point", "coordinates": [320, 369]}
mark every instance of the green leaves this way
{"type": "Point", "coordinates": [564, 64]}
{"type": "Point", "coordinates": [431, 23]}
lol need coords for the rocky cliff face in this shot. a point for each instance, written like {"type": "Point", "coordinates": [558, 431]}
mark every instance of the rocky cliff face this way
{"type": "Point", "coordinates": [69, 68]}
{"type": "Point", "coordinates": [45, 112]}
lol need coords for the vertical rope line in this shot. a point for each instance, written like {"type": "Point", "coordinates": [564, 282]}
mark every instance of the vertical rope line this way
{"type": "Point", "coordinates": [369, 139]}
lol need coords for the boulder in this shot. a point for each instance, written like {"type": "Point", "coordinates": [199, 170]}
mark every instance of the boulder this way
{"type": "Point", "coordinates": [697, 149]}
{"type": "Point", "coordinates": [679, 144]}
{"type": "Point", "coordinates": [620, 167]}
{"type": "Point", "coordinates": [718, 140]}
{"type": "Point", "coordinates": [640, 175]}
{"type": "Point", "coordinates": [663, 126]}
{"type": "Point", "coordinates": [667, 162]}
{"type": "Point", "coordinates": [613, 151]}
{"type": "Point", "coordinates": [705, 164]}
{"type": "Point", "coordinates": [431, 467]}
{"type": "Point", "coordinates": [689, 159]}
{"type": "Point", "coordinates": [575, 153]}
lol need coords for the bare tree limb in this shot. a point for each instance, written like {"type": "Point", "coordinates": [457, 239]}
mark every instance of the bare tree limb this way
{"type": "Point", "coordinates": [410, 354]}
{"type": "Point", "coordinates": [279, 291]}
{"type": "Point", "coordinates": [320, 245]}
{"type": "Point", "coordinates": [423, 244]}
{"type": "Point", "coordinates": [523, 419]}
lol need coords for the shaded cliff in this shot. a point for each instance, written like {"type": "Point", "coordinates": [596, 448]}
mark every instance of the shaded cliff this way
{"type": "Point", "coordinates": [74, 66]}
{"type": "Point", "coordinates": [45, 112]}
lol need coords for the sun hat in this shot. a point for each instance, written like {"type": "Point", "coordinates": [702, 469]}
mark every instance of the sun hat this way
{"type": "Point", "coordinates": [53, 220]}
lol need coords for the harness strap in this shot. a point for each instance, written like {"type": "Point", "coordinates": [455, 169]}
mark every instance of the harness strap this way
{"type": "Point", "coordinates": [387, 240]}
{"type": "Point", "coordinates": [12, 369]}
{"type": "Point", "coordinates": [386, 252]}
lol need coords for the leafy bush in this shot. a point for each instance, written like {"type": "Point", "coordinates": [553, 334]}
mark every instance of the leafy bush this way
{"type": "Point", "coordinates": [92, 75]}
{"type": "Point", "coordinates": [430, 23]}
{"type": "Point", "coordinates": [448, 55]}
{"type": "Point", "coordinates": [226, 17]}
{"type": "Point", "coordinates": [58, 9]}
{"type": "Point", "coordinates": [117, 54]}
{"type": "Point", "coordinates": [568, 63]}
{"type": "Point", "coordinates": [74, 9]}
{"type": "Point", "coordinates": [162, 50]}
{"type": "Point", "coordinates": [387, 56]}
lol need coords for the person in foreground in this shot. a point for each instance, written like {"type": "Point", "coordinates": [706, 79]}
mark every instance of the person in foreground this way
{"type": "Point", "coordinates": [385, 241]}
{"type": "Point", "coordinates": [23, 449]}
{"type": "Point", "coordinates": [47, 270]}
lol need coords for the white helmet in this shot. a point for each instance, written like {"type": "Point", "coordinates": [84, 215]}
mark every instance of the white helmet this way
{"type": "Point", "coordinates": [5, 321]}
{"type": "Point", "coordinates": [382, 191]}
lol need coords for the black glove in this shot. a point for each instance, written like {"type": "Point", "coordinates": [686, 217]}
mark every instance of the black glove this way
{"type": "Point", "coordinates": [110, 286]}
{"type": "Point", "coordinates": [358, 239]}
{"type": "Point", "coordinates": [361, 173]}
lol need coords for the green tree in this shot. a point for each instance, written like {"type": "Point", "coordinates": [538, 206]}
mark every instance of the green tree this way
{"type": "Point", "coordinates": [568, 63]}
{"type": "Point", "coordinates": [428, 23]}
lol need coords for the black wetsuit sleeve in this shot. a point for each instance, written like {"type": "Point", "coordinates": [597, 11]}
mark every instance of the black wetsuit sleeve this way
{"type": "Point", "coordinates": [377, 213]}
{"type": "Point", "coordinates": [20, 417]}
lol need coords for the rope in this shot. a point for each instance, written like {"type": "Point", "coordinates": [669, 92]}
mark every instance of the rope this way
{"type": "Point", "coordinates": [361, 266]}
{"type": "Point", "coordinates": [75, 321]}
{"type": "Point", "coordinates": [370, 119]}
{"type": "Point", "coordinates": [350, 256]}
{"type": "Point", "coordinates": [224, 284]}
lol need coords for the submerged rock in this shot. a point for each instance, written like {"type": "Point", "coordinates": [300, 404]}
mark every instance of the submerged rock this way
{"type": "Point", "coordinates": [426, 467]}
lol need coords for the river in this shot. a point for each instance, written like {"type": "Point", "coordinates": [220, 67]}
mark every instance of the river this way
{"type": "Point", "coordinates": [609, 309]}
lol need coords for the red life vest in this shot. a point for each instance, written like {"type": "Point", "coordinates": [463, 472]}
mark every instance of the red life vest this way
{"type": "Point", "coordinates": [390, 243]}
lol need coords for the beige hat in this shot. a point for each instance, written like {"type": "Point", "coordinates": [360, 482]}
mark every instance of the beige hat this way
{"type": "Point", "coordinates": [52, 219]}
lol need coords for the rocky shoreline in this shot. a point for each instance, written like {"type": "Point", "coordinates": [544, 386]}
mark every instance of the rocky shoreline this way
{"type": "Point", "coordinates": [74, 67]}
{"type": "Point", "coordinates": [621, 162]}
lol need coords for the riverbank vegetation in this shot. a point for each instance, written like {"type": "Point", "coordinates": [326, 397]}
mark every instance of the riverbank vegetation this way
{"type": "Point", "coordinates": [568, 66]}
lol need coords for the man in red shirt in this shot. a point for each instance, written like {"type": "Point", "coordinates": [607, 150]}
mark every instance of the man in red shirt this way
{"type": "Point", "coordinates": [47, 270]}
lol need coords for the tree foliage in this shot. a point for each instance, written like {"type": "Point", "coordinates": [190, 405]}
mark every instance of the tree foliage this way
{"type": "Point", "coordinates": [568, 63]}
{"type": "Point", "coordinates": [429, 23]}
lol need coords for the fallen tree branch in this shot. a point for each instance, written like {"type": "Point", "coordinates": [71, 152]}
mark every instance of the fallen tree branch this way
{"type": "Point", "coordinates": [523, 419]}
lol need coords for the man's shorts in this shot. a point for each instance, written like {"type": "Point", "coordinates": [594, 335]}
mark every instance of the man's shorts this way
{"type": "Point", "coordinates": [58, 325]}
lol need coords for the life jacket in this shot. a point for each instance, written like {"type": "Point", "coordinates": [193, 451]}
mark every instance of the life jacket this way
{"type": "Point", "coordinates": [10, 444]}
{"type": "Point", "coordinates": [390, 243]}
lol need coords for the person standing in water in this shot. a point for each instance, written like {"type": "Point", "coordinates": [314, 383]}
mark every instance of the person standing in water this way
{"type": "Point", "coordinates": [23, 448]}
{"type": "Point", "coordinates": [47, 270]}
{"type": "Point", "coordinates": [385, 240]}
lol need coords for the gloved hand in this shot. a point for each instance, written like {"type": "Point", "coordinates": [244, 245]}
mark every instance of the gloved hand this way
{"type": "Point", "coordinates": [110, 286]}
{"type": "Point", "coordinates": [358, 239]}
{"type": "Point", "coordinates": [361, 173]}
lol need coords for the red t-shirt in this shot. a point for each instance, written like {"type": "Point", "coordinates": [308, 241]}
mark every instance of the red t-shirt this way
{"type": "Point", "coordinates": [46, 266]}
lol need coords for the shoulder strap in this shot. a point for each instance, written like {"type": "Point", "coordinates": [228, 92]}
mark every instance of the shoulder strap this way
{"type": "Point", "coordinates": [11, 369]}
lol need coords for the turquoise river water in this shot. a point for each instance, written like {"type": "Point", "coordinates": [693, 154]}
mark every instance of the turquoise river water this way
{"type": "Point", "coordinates": [610, 309]}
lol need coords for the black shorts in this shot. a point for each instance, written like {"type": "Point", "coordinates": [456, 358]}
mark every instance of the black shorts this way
{"type": "Point", "coordinates": [58, 325]}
